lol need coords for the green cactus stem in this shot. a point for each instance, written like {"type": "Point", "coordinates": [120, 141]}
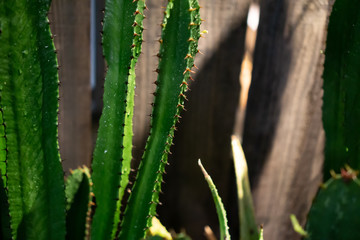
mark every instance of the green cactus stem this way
{"type": "Point", "coordinates": [341, 108]}
{"type": "Point", "coordinates": [178, 46]}
{"type": "Point", "coordinates": [335, 210]}
{"type": "Point", "coordinates": [128, 129]}
{"type": "Point", "coordinates": [29, 105]}
{"type": "Point", "coordinates": [122, 38]}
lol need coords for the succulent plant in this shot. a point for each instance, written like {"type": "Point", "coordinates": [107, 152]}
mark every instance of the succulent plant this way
{"type": "Point", "coordinates": [34, 204]}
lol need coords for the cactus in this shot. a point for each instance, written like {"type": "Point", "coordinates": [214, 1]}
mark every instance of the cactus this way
{"type": "Point", "coordinates": [29, 104]}
{"type": "Point", "coordinates": [341, 111]}
{"type": "Point", "coordinates": [112, 154]}
{"type": "Point", "coordinates": [333, 214]}
{"type": "Point", "coordinates": [178, 46]}
{"type": "Point", "coordinates": [31, 175]}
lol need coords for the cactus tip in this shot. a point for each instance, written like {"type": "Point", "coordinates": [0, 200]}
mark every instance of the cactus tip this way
{"type": "Point", "coordinates": [206, 175]}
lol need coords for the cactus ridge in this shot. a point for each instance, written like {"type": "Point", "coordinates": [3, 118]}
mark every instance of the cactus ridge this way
{"type": "Point", "coordinates": [122, 38]}
{"type": "Point", "coordinates": [194, 27]}
{"type": "Point", "coordinates": [29, 95]}
{"type": "Point", "coordinates": [178, 42]}
{"type": "Point", "coordinates": [127, 152]}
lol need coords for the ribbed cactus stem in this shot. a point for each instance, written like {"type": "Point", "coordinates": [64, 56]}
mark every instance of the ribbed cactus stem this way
{"type": "Point", "coordinates": [122, 38]}
{"type": "Point", "coordinates": [178, 46]}
{"type": "Point", "coordinates": [29, 106]}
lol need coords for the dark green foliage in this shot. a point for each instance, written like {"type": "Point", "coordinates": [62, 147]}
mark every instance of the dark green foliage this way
{"type": "Point", "coordinates": [334, 214]}
{"type": "Point", "coordinates": [154, 238]}
{"type": "Point", "coordinates": [29, 104]}
{"type": "Point", "coordinates": [341, 108]}
{"type": "Point", "coordinates": [77, 193]}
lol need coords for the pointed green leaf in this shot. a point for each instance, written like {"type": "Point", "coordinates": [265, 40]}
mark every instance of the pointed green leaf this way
{"type": "Point", "coordinates": [224, 228]}
{"type": "Point", "coordinates": [248, 227]}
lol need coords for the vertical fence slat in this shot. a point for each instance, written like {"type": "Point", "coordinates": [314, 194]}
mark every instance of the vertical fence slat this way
{"type": "Point", "coordinates": [283, 136]}
{"type": "Point", "coordinates": [70, 23]}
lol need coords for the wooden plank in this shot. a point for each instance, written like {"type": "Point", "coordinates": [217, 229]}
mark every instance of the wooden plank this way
{"type": "Point", "coordinates": [283, 135]}
{"type": "Point", "coordinates": [70, 25]}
